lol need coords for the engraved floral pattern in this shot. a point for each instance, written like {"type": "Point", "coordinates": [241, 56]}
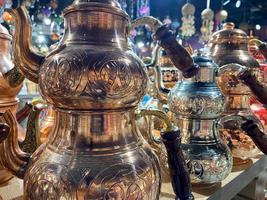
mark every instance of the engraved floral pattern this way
{"type": "Point", "coordinates": [197, 105]}
{"type": "Point", "coordinates": [85, 74]}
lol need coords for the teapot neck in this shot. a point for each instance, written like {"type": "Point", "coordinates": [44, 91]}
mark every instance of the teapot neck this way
{"type": "Point", "coordinates": [94, 131]}
{"type": "Point", "coordinates": [96, 23]}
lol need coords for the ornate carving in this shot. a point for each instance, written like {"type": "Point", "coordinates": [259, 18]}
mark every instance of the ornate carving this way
{"type": "Point", "coordinates": [48, 181]}
{"type": "Point", "coordinates": [87, 74]}
{"type": "Point", "coordinates": [120, 181]}
{"type": "Point", "coordinates": [197, 105]}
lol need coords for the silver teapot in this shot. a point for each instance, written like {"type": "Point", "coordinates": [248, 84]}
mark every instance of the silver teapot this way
{"type": "Point", "coordinates": [197, 104]}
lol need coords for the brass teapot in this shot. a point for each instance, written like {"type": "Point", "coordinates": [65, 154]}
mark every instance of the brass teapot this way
{"type": "Point", "coordinates": [94, 83]}
{"type": "Point", "coordinates": [229, 49]}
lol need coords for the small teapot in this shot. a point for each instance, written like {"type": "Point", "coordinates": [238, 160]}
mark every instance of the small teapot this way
{"type": "Point", "coordinates": [198, 104]}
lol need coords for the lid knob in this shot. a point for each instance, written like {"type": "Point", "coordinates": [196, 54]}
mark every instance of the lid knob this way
{"type": "Point", "coordinates": [229, 26]}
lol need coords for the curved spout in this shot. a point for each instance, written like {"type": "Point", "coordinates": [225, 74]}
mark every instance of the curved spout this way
{"type": "Point", "coordinates": [14, 155]}
{"type": "Point", "coordinates": [178, 54]}
{"type": "Point", "coordinates": [25, 58]}
{"type": "Point", "coordinates": [10, 155]}
{"type": "Point", "coordinates": [31, 141]}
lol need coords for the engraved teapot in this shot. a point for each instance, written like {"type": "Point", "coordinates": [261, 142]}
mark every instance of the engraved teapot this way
{"type": "Point", "coordinates": [11, 81]}
{"type": "Point", "coordinates": [229, 49]}
{"type": "Point", "coordinates": [94, 83]}
{"type": "Point", "coordinates": [259, 89]}
{"type": "Point", "coordinates": [197, 104]}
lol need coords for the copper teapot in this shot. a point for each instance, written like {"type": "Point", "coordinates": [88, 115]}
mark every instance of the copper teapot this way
{"type": "Point", "coordinates": [229, 49]}
{"type": "Point", "coordinates": [94, 83]}
{"type": "Point", "coordinates": [11, 81]}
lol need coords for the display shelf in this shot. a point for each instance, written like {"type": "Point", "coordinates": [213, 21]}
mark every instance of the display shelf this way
{"type": "Point", "coordinates": [231, 186]}
{"type": "Point", "coordinates": [226, 190]}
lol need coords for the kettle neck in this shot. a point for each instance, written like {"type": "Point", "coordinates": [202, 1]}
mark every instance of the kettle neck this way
{"type": "Point", "coordinates": [96, 23]}
{"type": "Point", "coordinates": [94, 131]}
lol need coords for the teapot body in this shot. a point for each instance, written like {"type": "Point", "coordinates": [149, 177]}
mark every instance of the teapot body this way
{"type": "Point", "coordinates": [114, 163]}
{"type": "Point", "coordinates": [94, 83]}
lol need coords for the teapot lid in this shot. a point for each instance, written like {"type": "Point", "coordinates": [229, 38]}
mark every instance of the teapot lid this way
{"type": "Point", "coordinates": [109, 5]}
{"type": "Point", "coordinates": [4, 34]}
{"type": "Point", "coordinates": [202, 59]}
{"type": "Point", "coordinates": [229, 34]}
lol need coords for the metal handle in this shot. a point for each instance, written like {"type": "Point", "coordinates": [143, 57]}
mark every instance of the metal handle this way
{"type": "Point", "coordinates": [237, 68]}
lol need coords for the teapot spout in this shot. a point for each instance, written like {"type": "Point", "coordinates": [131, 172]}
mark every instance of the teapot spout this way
{"type": "Point", "coordinates": [11, 156]}
{"type": "Point", "coordinates": [25, 58]}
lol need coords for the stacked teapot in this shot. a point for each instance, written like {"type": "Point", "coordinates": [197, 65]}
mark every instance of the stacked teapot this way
{"type": "Point", "coordinates": [94, 83]}
{"type": "Point", "coordinates": [11, 81]}
{"type": "Point", "coordinates": [229, 49]}
{"type": "Point", "coordinates": [198, 104]}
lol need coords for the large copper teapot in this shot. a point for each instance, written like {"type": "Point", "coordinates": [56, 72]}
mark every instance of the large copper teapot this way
{"type": "Point", "coordinates": [94, 82]}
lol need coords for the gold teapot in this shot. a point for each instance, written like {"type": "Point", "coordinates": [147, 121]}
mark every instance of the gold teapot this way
{"type": "Point", "coordinates": [229, 49]}
{"type": "Point", "coordinates": [94, 83]}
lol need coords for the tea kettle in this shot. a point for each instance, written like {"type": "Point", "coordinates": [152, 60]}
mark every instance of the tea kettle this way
{"type": "Point", "coordinates": [198, 104]}
{"type": "Point", "coordinates": [229, 46]}
{"type": "Point", "coordinates": [11, 81]}
{"type": "Point", "coordinates": [94, 83]}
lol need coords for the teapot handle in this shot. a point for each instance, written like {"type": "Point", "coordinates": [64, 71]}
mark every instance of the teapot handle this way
{"type": "Point", "coordinates": [178, 170]}
{"type": "Point", "coordinates": [258, 136]}
{"type": "Point", "coordinates": [167, 40]}
{"type": "Point", "coordinates": [171, 138]}
{"type": "Point", "coordinates": [237, 68]}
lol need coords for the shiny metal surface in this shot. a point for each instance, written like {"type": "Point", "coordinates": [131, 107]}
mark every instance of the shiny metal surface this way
{"type": "Point", "coordinates": [229, 49]}
{"type": "Point", "coordinates": [94, 82]}
{"type": "Point", "coordinates": [80, 143]}
{"type": "Point", "coordinates": [228, 46]}
{"type": "Point", "coordinates": [46, 125]}
{"type": "Point", "coordinates": [8, 90]}
{"type": "Point", "coordinates": [209, 159]}
{"type": "Point", "coordinates": [197, 104]}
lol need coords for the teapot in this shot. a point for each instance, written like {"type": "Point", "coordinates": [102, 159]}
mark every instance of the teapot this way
{"type": "Point", "coordinates": [197, 104]}
{"type": "Point", "coordinates": [94, 83]}
{"type": "Point", "coordinates": [229, 49]}
{"type": "Point", "coordinates": [11, 81]}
